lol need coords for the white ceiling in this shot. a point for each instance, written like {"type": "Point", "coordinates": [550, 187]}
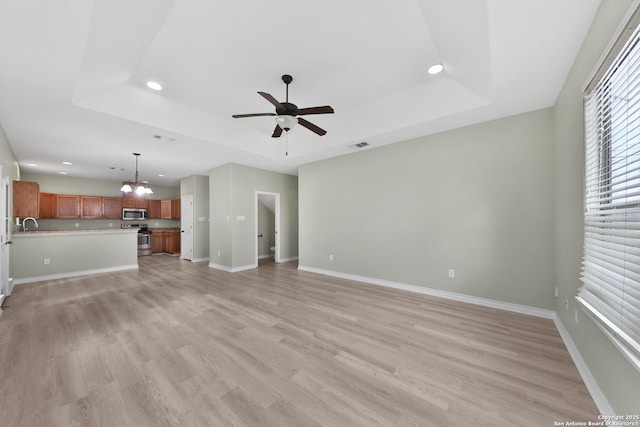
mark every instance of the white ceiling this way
{"type": "Point", "coordinates": [73, 74]}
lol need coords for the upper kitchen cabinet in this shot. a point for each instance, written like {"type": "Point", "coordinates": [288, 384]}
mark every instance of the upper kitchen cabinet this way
{"type": "Point", "coordinates": [169, 209]}
{"type": "Point", "coordinates": [67, 206]}
{"type": "Point", "coordinates": [112, 207]}
{"type": "Point", "coordinates": [133, 201]}
{"type": "Point", "coordinates": [175, 209]}
{"type": "Point", "coordinates": [90, 207]}
{"type": "Point", "coordinates": [154, 209]}
{"type": "Point", "coordinates": [26, 199]}
{"type": "Point", "coordinates": [47, 205]}
{"type": "Point", "coordinates": [165, 209]}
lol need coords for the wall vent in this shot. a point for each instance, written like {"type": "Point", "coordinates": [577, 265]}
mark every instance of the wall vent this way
{"type": "Point", "coordinates": [359, 145]}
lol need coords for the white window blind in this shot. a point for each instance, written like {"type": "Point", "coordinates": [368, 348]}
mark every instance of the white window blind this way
{"type": "Point", "coordinates": [610, 290]}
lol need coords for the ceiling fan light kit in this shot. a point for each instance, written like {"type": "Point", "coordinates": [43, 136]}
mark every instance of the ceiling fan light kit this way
{"type": "Point", "coordinates": [287, 114]}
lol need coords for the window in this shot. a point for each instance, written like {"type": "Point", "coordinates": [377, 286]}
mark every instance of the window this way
{"type": "Point", "coordinates": [610, 291]}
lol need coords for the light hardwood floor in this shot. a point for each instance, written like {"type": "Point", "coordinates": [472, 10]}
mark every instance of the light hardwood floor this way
{"type": "Point", "coordinates": [181, 344]}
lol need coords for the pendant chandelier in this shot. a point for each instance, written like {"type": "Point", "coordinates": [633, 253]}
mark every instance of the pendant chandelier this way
{"type": "Point", "coordinates": [139, 188]}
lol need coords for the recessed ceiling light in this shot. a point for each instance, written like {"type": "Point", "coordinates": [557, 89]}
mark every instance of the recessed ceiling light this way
{"type": "Point", "coordinates": [62, 173]}
{"type": "Point", "coordinates": [67, 163]}
{"type": "Point", "coordinates": [435, 69]}
{"type": "Point", "coordinates": [161, 174]}
{"type": "Point", "coordinates": [154, 85]}
{"type": "Point", "coordinates": [33, 165]}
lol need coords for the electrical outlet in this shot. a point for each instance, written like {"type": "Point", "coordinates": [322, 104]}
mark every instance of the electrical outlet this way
{"type": "Point", "coordinates": [452, 273]}
{"type": "Point", "coordinates": [218, 253]}
{"type": "Point", "coordinates": [555, 292]}
{"type": "Point", "coordinates": [330, 257]}
{"type": "Point", "coordinates": [77, 224]}
{"type": "Point", "coordinates": [575, 314]}
{"type": "Point", "coordinates": [47, 261]}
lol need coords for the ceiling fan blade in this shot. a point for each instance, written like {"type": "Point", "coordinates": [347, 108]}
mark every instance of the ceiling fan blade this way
{"type": "Point", "coordinates": [239, 116]}
{"type": "Point", "coordinates": [325, 109]}
{"type": "Point", "coordinates": [277, 132]}
{"type": "Point", "coordinates": [271, 99]}
{"type": "Point", "coordinates": [311, 126]}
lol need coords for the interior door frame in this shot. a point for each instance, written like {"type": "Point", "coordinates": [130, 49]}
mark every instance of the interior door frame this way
{"type": "Point", "coordinates": [276, 255]}
{"type": "Point", "coordinates": [5, 235]}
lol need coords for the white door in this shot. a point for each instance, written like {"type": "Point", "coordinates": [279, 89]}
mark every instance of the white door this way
{"type": "Point", "coordinates": [5, 236]}
{"type": "Point", "coordinates": [186, 219]}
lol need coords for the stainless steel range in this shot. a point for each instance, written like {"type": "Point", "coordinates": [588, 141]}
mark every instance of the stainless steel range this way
{"type": "Point", "coordinates": [144, 238]}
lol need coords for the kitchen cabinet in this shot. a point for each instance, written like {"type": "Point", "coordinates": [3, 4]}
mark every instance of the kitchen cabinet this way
{"type": "Point", "coordinates": [90, 207]}
{"type": "Point", "coordinates": [157, 241]}
{"type": "Point", "coordinates": [154, 209]}
{"type": "Point", "coordinates": [112, 207]}
{"type": "Point", "coordinates": [133, 201]}
{"type": "Point", "coordinates": [47, 205]}
{"type": "Point", "coordinates": [165, 209]}
{"type": "Point", "coordinates": [167, 240]}
{"type": "Point", "coordinates": [67, 206]}
{"type": "Point", "coordinates": [26, 199]}
{"type": "Point", "coordinates": [170, 209]}
{"type": "Point", "coordinates": [175, 209]}
{"type": "Point", "coordinates": [171, 242]}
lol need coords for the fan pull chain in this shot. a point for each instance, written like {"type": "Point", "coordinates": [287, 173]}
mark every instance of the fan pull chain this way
{"type": "Point", "coordinates": [286, 144]}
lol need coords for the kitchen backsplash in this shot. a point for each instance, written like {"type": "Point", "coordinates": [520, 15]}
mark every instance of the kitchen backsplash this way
{"type": "Point", "coordinates": [92, 224]}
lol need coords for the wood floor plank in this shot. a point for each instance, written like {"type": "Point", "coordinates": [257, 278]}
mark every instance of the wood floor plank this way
{"type": "Point", "coordinates": [176, 343]}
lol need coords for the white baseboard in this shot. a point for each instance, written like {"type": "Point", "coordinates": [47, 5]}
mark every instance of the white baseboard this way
{"type": "Point", "coordinates": [517, 308]}
{"type": "Point", "coordinates": [598, 397]}
{"type": "Point", "coordinates": [2, 297]}
{"type": "Point", "coordinates": [291, 258]}
{"type": "Point", "coordinates": [265, 256]}
{"type": "Point", "coordinates": [232, 269]}
{"type": "Point", "coordinates": [200, 259]}
{"type": "Point", "coordinates": [74, 274]}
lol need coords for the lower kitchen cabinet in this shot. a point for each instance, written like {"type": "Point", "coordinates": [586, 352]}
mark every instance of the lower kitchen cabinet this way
{"type": "Point", "coordinates": [157, 241]}
{"type": "Point", "coordinates": [172, 242]}
{"type": "Point", "coordinates": [165, 241]}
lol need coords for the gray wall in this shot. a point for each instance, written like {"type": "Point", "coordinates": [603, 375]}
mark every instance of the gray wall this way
{"type": "Point", "coordinates": [232, 190]}
{"type": "Point", "coordinates": [220, 211]}
{"type": "Point", "coordinates": [71, 254]}
{"type": "Point", "coordinates": [7, 158]}
{"type": "Point", "coordinates": [198, 187]}
{"type": "Point", "coordinates": [477, 200]}
{"type": "Point", "coordinates": [616, 377]}
{"type": "Point", "coordinates": [91, 187]}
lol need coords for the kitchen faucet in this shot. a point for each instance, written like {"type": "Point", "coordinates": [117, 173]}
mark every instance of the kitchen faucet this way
{"type": "Point", "coordinates": [24, 222]}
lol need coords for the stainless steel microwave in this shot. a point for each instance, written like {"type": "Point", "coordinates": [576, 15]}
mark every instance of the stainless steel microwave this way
{"type": "Point", "coordinates": [134, 214]}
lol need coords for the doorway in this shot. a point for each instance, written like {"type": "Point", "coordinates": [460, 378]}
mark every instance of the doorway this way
{"type": "Point", "coordinates": [267, 225]}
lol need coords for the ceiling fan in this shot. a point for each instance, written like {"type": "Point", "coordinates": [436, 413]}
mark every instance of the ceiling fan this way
{"type": "Point", "coordinates": [287, 114]}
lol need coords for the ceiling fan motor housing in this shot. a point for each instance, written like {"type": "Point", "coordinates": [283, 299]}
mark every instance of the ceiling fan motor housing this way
{"type": "Point", "coordinates": [288, 109]}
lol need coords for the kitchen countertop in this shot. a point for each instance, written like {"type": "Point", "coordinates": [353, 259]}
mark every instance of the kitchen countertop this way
{"type": "Point", "coordinates": [41, 233]}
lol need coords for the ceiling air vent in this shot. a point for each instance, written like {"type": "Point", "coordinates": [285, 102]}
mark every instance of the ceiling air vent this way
{"type": "Point", "coordinates": [359, 145]}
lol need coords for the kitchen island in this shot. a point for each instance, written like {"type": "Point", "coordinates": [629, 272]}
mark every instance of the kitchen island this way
{"type": "Point", "coordinates": [46, 255]}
